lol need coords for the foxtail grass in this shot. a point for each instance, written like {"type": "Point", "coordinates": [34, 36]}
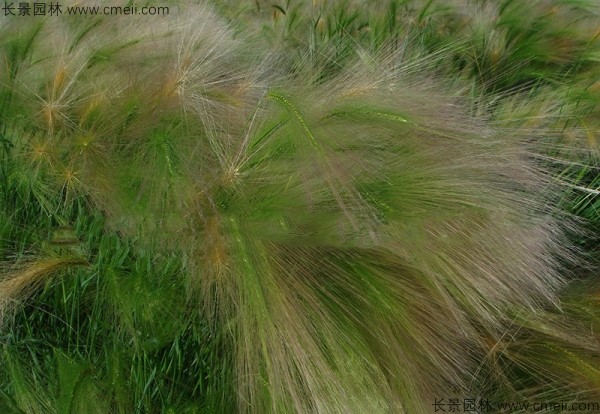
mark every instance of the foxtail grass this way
{"type": "Point", "coordinates": [266, 233]}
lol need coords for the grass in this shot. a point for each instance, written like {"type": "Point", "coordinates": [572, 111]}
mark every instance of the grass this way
{"type": "Point", "coordinates": [299, 207]}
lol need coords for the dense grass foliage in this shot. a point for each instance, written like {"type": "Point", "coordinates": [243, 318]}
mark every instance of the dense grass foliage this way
{"type": "Point", "coordinates": [328, 207]}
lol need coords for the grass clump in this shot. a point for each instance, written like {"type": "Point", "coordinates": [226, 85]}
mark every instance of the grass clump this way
{"type": "Point", "coordinates": [355, 222]}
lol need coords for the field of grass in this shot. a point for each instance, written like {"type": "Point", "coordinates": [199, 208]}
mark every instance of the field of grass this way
{"type": "Point", "coordinates": [301, 207]}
